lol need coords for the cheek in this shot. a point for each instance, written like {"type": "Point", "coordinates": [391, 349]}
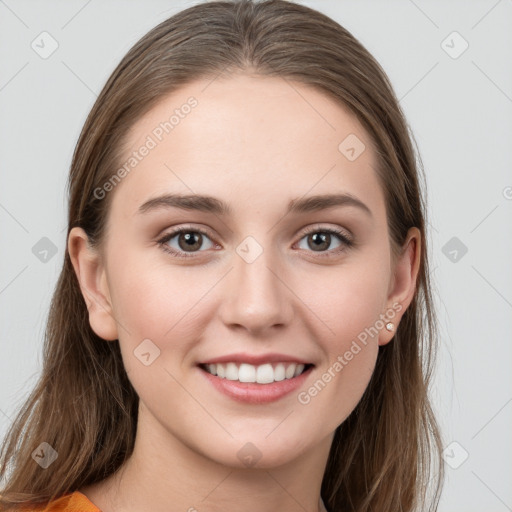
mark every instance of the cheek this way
{"type": "Point", "coordinates": [351, 349]}
{"type": "Point", "coordinates": [350, 303]}
{"type": "Point", "coordinates": [352, 300]}
{"type": "Point", "coordinates": [160, 302]}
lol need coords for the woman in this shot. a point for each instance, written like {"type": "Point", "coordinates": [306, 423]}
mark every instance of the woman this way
{"type": "Point", "coordinates": [244, 316]}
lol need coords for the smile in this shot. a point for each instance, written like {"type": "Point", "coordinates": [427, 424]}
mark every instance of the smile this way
{"type": "Point", "coordinates": [259, 383]}
{"type": "Point", "coordinates": [262, 374]}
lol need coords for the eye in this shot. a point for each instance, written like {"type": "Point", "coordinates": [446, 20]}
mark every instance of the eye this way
{"type": "Point", "coordinates": [188, 240]}
{"type": "Point", "coordinates": [321, 239]}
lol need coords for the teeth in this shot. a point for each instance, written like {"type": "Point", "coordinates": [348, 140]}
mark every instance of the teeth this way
{"type": "Point", "coordinates": [265, 374]}
{"type": "Point", "coordinates": [298, 370]}
{"type": "Point", "coordinates": [262, 374]}
{"type": "Point", "coordinates": [231, 371]}
{"type": "Point", "coordinates": [290, 371]}
{"type": "Point", "coordinates": [247, 373]}
{"type": "Point", "coordinates": [279, 372]}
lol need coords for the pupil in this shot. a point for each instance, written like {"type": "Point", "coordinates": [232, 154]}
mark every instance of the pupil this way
{"type": "Point", "coordinates": [191, 241]}
{"type": "Point", "coordinates": [319, 239]}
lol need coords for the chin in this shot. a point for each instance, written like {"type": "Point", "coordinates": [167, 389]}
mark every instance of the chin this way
{"type": "Point", "coordinates": [259, 450]}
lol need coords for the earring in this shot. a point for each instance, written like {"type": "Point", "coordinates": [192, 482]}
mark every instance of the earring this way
{"type": "Point", "coordinates": [390, 326]}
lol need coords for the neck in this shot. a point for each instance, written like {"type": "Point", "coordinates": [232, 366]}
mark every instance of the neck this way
{"type": "Point", "coordinates": [162, 470]}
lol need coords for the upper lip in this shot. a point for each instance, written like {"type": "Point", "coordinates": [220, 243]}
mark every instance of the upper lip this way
{"type": "Point", "coordinates": [256, 359]}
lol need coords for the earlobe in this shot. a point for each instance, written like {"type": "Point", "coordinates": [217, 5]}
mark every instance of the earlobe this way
{"type": "Point", "coordinates": [91, 276]}
{"type": "Point", "coordinates": [403, 285]}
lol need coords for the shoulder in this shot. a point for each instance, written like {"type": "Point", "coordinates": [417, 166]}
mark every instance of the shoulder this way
{"type": "Point", "coordinates": [72, 502]}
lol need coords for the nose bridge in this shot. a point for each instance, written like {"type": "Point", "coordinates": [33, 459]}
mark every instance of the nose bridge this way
{"type": "Point", "coordinates": [257, 298]}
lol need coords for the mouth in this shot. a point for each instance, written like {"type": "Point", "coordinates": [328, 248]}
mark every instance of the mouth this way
{"type": "Point", "coordinates": [266, 373]}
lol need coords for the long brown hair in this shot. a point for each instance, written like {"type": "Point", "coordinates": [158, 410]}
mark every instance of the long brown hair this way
{"type": "Point", "coordinates": [386, 454]}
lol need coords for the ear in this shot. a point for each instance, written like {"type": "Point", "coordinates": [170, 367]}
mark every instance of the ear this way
{"type": "Point", "coordinates": [92, 278]}
{"type": "Point", "coordinates": [403, 284]}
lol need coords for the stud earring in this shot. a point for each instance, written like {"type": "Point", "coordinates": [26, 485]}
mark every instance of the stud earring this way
{"type": "Point", "coordinates": [390, 326]}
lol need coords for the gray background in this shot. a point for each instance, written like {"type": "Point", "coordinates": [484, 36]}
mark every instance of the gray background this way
{"type": "Point", "coordinates": [459, 107]}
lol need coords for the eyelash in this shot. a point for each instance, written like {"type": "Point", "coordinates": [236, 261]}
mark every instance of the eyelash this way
{"type": "Point", "coordinates": [346, 241]}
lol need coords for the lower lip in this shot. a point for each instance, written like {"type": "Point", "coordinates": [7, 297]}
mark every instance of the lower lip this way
{"type": "Point", "coordinates": [253, 393]}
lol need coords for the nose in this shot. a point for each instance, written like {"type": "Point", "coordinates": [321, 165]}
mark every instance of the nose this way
{"type": "Point", "coordinates": [256, 297]}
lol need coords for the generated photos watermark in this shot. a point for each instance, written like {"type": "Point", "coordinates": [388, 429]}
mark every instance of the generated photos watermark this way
{"type": "Point", "coordinates": [152, 140]}
{"type": "Point", "coordinates": [304, 397]}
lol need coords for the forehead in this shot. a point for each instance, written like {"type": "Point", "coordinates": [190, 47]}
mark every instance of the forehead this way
{"type": "Point", "coordinates": [267, 140]}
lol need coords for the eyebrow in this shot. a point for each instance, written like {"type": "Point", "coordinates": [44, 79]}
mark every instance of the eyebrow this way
{"type": "Point", "coordinates": [209, 204]}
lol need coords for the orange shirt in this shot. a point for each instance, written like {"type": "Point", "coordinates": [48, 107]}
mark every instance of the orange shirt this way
{"type": "Point", "coordinates": [73, 502]}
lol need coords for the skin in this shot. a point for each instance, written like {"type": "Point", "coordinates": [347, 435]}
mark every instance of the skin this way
{"type": "Point", "coordinates": [255, 143]}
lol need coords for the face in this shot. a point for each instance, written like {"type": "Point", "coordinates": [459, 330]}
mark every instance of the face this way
{"type": "Point", "coordinates": [259, 276]}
